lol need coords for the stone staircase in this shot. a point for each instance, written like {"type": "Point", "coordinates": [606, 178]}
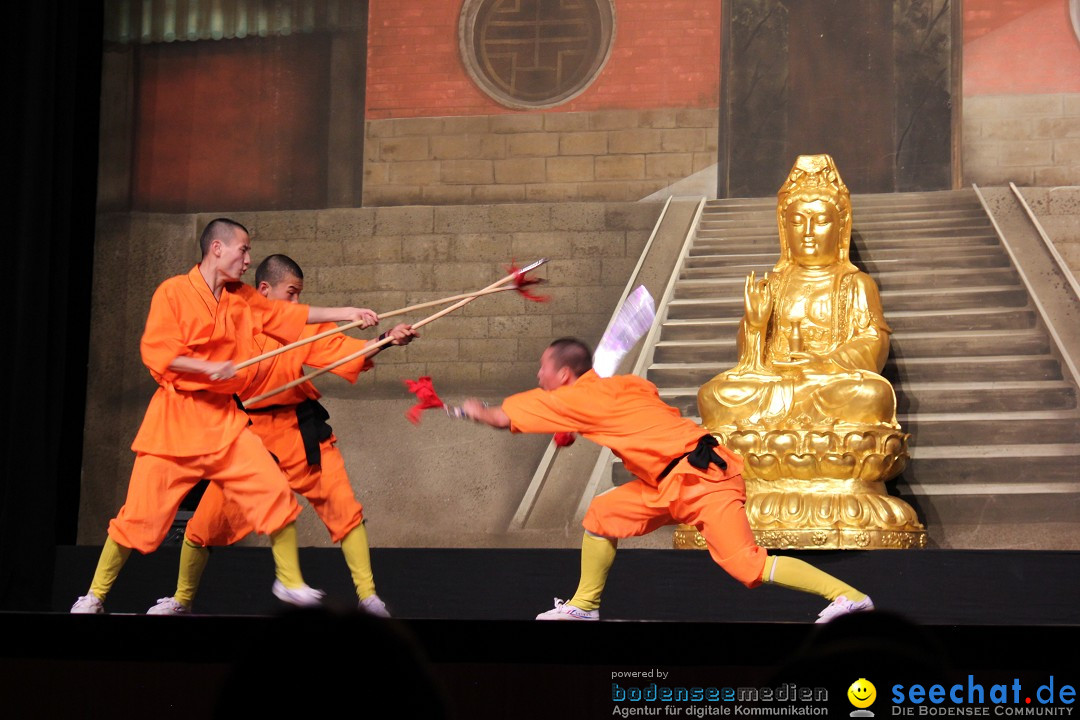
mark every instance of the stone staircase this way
{"type": "Point", "coordinates": [991, 408]}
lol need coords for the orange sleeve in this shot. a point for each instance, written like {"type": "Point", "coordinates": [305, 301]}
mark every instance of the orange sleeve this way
{"type": "Point", "coordinates": [162, 340]}
{"type": "Point", "coordinates": [566, 409]}
{"type": "Point", "coordinates": [335, 347]}
{"type": "Point", "coordinates": [280, 320]}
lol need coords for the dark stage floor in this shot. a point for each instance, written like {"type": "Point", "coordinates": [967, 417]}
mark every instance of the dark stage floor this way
{"type": "Point", "coordinates": [462, 646]}
{"type": "Point", "coordinates": [985, 587]}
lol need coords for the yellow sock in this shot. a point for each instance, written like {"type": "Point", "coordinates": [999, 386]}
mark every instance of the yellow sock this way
{"type": "Point", "coordinates": [795, 574]}
{"type": "Point", "coordinates": [358, 557]}
{"type": "Point", "coordinates": [113, 557]}
{"type": "Point", "coordinates": [597, 555]}
{"type": "Point", "coordinates": [192, 563]}
{"type": "Point", "coordinates": [286, 557]}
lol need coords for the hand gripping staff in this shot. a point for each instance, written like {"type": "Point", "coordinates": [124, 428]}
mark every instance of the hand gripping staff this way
{"type": "Point", "coordinates": [517, 277]}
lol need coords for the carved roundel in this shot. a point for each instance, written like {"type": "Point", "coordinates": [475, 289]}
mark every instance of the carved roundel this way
{"type": "Point", "coordinates": [535, 53]}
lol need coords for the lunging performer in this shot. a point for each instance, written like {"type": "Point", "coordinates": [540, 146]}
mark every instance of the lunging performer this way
{"type": "Point", "coordinates": [681, 475]}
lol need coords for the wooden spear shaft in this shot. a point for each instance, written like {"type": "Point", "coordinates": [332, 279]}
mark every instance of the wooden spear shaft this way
{"type": "Point", "coordinates": [367, 350]}
{"type": "Point", "coordinates": [358, 323]}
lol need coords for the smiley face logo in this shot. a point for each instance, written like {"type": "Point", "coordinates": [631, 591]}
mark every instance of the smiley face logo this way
{"type": "Point", "coordinates": [862, 693]}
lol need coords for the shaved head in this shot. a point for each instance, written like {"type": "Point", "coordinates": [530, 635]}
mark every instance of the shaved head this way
{"type": "Point", "coordinates": [571, 353]}
{"type": "Point", "coordinates": [222, 229]}
{"type": "Point", "coordinates": [276, 268]}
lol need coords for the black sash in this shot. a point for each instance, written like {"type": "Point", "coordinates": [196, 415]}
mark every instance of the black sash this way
{"type": "Point", "coordinates": [700, 457]}
{"type": "Point", "coordinates": [311, 417]}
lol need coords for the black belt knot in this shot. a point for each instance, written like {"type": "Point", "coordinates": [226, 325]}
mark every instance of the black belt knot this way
{"type": "Point", "coordinates": [311, 418]}
{"type": "Point", "coordinates": [700, 457]}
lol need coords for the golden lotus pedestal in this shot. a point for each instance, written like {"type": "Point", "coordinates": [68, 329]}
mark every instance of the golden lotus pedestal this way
{"type": "Point", "coordinates": [822, 490]}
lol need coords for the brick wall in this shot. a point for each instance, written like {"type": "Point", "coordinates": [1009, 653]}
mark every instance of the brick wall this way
{"type": "Point", "coordinates": [664, 55]}
{"type": "Point", "coordinates": [1021, 108]}
{"type": "Point", "coordinates": [614, 155]}
{"type": "Point", "coordinates": [1025, 139]}
{"type": "Point", "coordinates": [432, 137]}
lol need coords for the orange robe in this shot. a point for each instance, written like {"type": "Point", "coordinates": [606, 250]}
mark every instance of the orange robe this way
{"type": "Point", "coordinates": [625, 413]}
{"type": "Point", "coordinates": [326, 485]}
{"type": "Point", "coordinates": [193, 427]}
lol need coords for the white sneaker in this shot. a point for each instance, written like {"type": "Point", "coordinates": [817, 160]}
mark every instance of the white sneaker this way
{"type": "Point", "coordinates": [88, 604]}
{"type": "Point", "coordinates": [302, 596]}
{"type": "Point", "coordinates": [562, 611]}
{"type": "Point", "coordinates": [843, 606]}
{"type": "Point", "coordinates": [169, 606]}
{"type": "Point", "coordinates": [373, 605]}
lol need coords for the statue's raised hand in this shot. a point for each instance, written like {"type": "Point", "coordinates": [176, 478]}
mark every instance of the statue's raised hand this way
{"type": "Point", "coordinates": [758, 299]}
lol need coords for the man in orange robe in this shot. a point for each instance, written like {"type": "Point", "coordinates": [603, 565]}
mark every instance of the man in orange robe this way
{"type": "Point", "coordinates": [681, 474]}
{"type": "Point", "coordinates": [198, 326]}
{"type": "Point", "coordinates": [292, 426]}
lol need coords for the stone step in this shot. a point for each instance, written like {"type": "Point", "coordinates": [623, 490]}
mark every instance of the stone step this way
{"type": "Point", "coordinates": [895, 300]}
{"type": "Point", "coordinates": [764, 225]}
{"type": "Point", "coordinates": [937, 475]}
{"type": "Point", "coordinates": [946, 278]}
{"type": "Point", "coordinates": [929, 200]}
{"type": "Point", "coordinates": [719, 243]}
{"type": "Point", "coordinates": [978, 395]}
{"type": "Point", "coordinates": [899, 216]}
{"type": "Point", "coordinates": [972, 343]}
{"type": "Point", "coordinates": [882, 254]}
{"type": "Point", "coordinates": [899, 234]}
{"type": "Point", "coordinates": [733, 229]}
{"type": "Point", "coordinates": [991, 520]}
{"type": "Point", "coordinates": [968, 319]}
{"type": "Point", "coordinates": [949, 429]}
{"type": "Point", "coordinates": [899, 371]}
{"type": "Point", "coordinates": [718, 286]}
{"type": "Point", "coordinates": [940, 397]}
{"type": "Point", "coordinates": [718, 265]}
{"type": "Point", "coordinates": [909, 345]}
{"type": "Point", "coordinates": [979, 319]}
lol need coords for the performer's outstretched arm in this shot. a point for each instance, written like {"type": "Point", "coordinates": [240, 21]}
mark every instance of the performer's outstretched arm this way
{"type": "Point", "coordinates": [478, 411]}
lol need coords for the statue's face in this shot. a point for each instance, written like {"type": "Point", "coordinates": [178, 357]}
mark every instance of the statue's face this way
{"type": "Point", "coordinates": [813, 232]}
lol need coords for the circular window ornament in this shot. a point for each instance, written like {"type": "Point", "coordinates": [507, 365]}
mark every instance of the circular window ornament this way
{"type": "Point", "coordinates": [528, 54]}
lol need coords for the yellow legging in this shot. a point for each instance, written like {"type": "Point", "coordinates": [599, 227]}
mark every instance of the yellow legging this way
{"type": "Point", "coordinates": [598, 553]}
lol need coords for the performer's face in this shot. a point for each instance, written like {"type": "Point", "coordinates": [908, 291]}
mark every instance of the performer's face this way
{"type": "Point", "coordinates": [234, 255]}
{"type": "Point", "coordinates": [549, 376]}
{"type": "Point", "coordinates": [287, 289]}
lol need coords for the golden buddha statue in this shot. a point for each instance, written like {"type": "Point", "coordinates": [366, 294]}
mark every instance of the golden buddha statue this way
{"type": "Point", "coordinates": [805, 405]}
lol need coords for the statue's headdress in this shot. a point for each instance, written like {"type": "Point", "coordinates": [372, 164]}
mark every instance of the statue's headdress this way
{"type": "Point", "coordinates": [815, 177]}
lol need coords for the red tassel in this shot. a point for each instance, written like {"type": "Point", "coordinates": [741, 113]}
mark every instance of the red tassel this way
{"type": "Point", "coordinates": [522, 281]}
{"type": "Point", "coordinates": [564, 439]}
{"type": "Point", "coordinates": [425, 395]}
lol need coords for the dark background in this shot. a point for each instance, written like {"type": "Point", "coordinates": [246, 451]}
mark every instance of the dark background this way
{"type": "Point", "coordinates": [53, 70]}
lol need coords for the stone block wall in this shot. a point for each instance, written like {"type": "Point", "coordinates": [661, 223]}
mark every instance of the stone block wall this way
{"type": "Point", "coordinates": [604, 155]}
{"type": "Point", "coordinates": [1025, 139]}
{"type": "Point", "coordinates": [384, 258]}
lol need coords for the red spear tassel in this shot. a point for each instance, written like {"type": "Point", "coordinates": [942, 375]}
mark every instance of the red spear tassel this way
{"type": "Point", "coordinates": [563, 439]}
{"type": "Point", "coordinates": [425, 396]}
{"type": "Point", "coordinates": [522, 281]}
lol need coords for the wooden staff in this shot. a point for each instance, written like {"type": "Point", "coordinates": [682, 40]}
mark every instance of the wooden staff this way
{"type": "Point", "coordinates": [358, 323]}
{"type": "Point", "coordinates": [382, 343]}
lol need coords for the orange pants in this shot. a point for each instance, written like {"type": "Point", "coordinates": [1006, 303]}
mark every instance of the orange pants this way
{"type": "Point", "coordinates": [715, 508]}
{"type": "Point", "coordinates": [244, 472]}
{"type": "Point", "coordinates": [219, 522]}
